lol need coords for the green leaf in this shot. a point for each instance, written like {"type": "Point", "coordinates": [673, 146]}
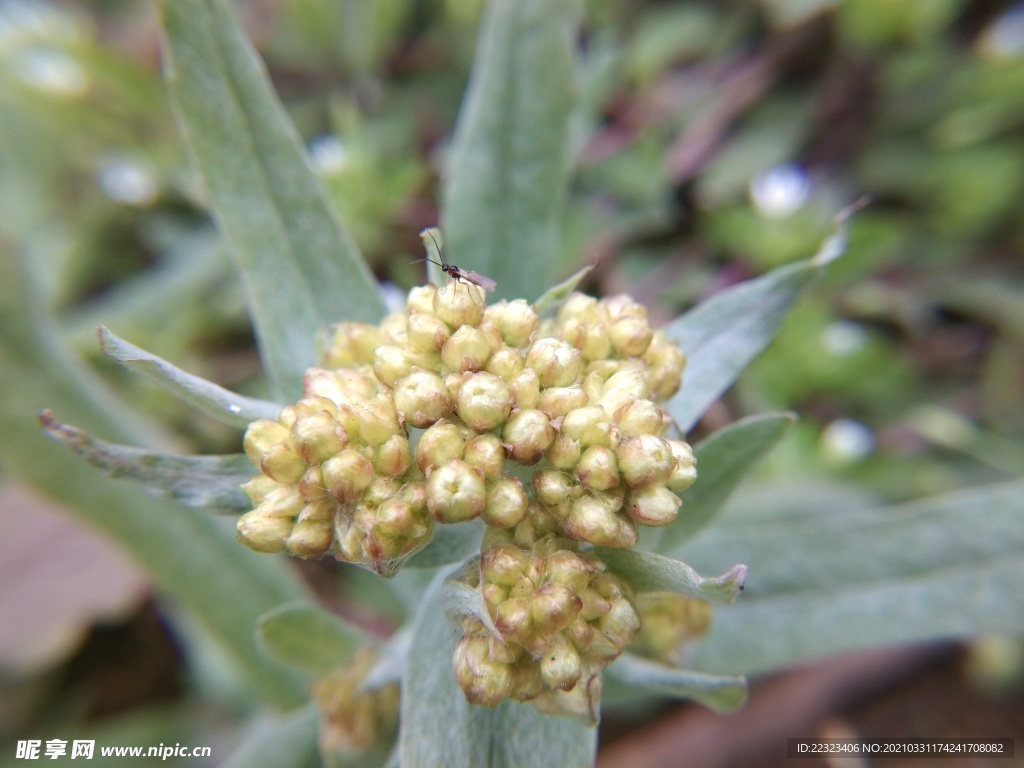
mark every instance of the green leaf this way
{"type": "Point", "coordinates": [506, 175]}
{"type": "Point", "coordinates": [220, 403]}
{"type": "Point", "coordinates": [461, 599]}
{"type": "Point", "coordinates": [717, 692]}
{"type": "Point", "coordinates": [553, 297]}
{"type": "Point", "coordinates": [648, 572]}
{"type": "Point", "coordinates": [523, 737]}
{"type": "Point", "coordinates": [305, 636]}
{"type": "Point", "coordinates": [723, 460]}
{"type": "Point", "coordinates": [200, 482]}
{"type": "Point", "coordinates": [282, 741]}
{"type": "Point", "coordinates": [827, 579]}
{"type": "Point", "coordinates": [302, 270]}
{"type": "Point", "coordinates": [724, 334]}
{"type": "Point", "coordinates": [449, 544]}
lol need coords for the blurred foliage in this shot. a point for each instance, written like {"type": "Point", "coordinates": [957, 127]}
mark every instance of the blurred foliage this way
{"type": "Point", "coordinates": [713, 141]}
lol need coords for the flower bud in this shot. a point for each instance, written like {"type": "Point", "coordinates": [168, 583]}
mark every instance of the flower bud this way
{"type": "Point", "coordinates": [439, 443]}
{"type": "Point", "coordinates": [313, 530]}
{"type": "Point", "coordinates": [590, 426]}
{"type": "Point", "coordinates": [595, 343]}
{"type": "Point", "coordinates": [260, 436]}
{"type": "Point", "coordinates": [506, 362]}
{"type": "Point", "coordinates": [282, 501]}
{"type": "Point", "coordinates": [592, 520]}
{"type": "Point", "coordinates": [421, 300]}
{"type": "Point", "coordinates": [506, 503]}
{"type": "Point", "coordinates": [553, 607]}
{"type": "Point", "coordinates": [556, 361]}
{"type": "Point", "coordinates": [558, 401]}
{"type": "Point", "coordinates": [623, 387]}
{"type": "Point", "coordinates": [620, 624]}
{"type": "Point", "coordinates": [390, 364]}
{"type": "Point", "coordinates": [468, 349]}
{"type": "Point", "coordinates": [553, 487]}
{"type": "Point", "coordinates": [325, 389]}
{"type": "Point", "coordinates": [578, 306]}
{"type": "Point", "coordinates": [426, 333]}
{"type": "Point", "coordinates": [569, 568]}
{"type": "Point", "coordinates": [504, 564]}
{"type": "Point", "coordinates": [483, 681]}
{"type": "Point", "coordinates": [597, 468]}
{"type": "Point", "coordinates": [318, 436]}
{"type": "Point", "coordinates": [455, 492]}
{"type": "Point", "coordinates": [351, 344]}
{"type": "Point", "coordinates": [399, 518]}
{"type": "Point", "coordinates": [486, 453]}
{"type": "Point", "coordinates": [512, 618]}
{"type": "Point", "coordinates": [347, 475]}
{"type": "Point", "coordinates": [258, 488]}
{"type": "Point", "coordinates": [639, 417]}
{"type": "Point", "coordinates": [685, 471]}
{"type": "Point", "coordinates": [655, 506]}
{"type": "Point", "coordinates": [645, 460]}
{"type": "Point", "coordinates": [525, 389]}
{"type": "Point", "coordinates": [484, 402]}
{"type": "Point", "coordinates": [631, 336]}
{"type": "Point", "coordinates": [264, 533]}
{"type": "Point", "coordinates": [459, 304]}
{"type": "Point", "coordinates": [311, 485]}
{"type": "Point", "coordinates": [564, 453]}
{"type": "Point", "coordinates": [560, 666]}
{"type": "Point", "coordinates": [665, 362]}
{"type": "Point", "coordinates": [393, 457]}
{"type": "Point", "coordinates": [282, 463]}
{"type": "Point", "coordinates": [668, 620]}
{"type": "Point", "coordinates": [422, 398]}
{"type": "Point", "coordinates": [527, 435]}
{"type": "Point", "coordinates": [516, 320]}
{"type": "Point", "coordinates": [378, 420]}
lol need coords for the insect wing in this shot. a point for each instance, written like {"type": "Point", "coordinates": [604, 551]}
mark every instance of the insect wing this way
{"type": "Point", "coordinates": [477, 279]}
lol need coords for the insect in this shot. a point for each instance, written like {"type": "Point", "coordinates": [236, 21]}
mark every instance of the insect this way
{"type": "Point", "coordinates": [457, 273]}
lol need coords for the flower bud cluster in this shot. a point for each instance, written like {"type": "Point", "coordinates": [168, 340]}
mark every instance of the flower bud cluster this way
{"type": "Point", "coordinates": [560, 617]}
{"type": "Point", "coordinates": [669, 621]}
{"type": "Point", "coordinates": [353, 719]}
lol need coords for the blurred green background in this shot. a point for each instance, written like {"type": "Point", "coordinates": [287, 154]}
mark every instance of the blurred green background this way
{"type": "Point", "coordinates": [713, 141]}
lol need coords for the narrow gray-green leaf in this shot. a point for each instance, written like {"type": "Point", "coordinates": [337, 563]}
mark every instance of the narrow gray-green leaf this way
{"type": "Point", "coordinates": [718, 692]}
{"type": "Point", "coordinates": [506, 174]}
{"type": "Point", "coordinates": [200, 482]}
{"type": "Point", "coordinates": [723, 460]}
{"type": "Point", "coordinates": [461, 599]}
{"type": "Point", "coordinates": [279, 741]}
{"type": "Point", "coordinates": [392, 657]}
{"type": "Point", "coordinates": [832, 579]}
{"type": "Point", "coordinates": [553, 297]}
{"type": "Point", "coordinates": [220, 403]}
{"type": "Point", "coordinates": [304, 636]}
{"type": "Point", "coordinates": [724, 334]}
{"type": "Point", "coordinates": [524, 737]}
{"type": "Point", "coordinates": [302, 269]}
{"type": "Point", "coordinates": [450, 544]}
{"type": "Point", "coordinates": [648, 572]}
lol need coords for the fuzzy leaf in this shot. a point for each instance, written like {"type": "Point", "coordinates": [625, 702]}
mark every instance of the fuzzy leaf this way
{"type": "Point", "coordinates": [279, 741]}
{"type": "Point", "coordinates": [648, 572]}
{"type": "Point", "coordinates": [507, 171]}
{"type": "Point", "coordinates": [220, 403]}
{"type": "Point", "coordinates": [717, 692]}
{"type": "Point", "coordinates": [200, 482]}
{"type": "Point", "coordinates": [461, 599]}
{"type": "Point", "coordinates": [306, 637]}
{"type": "Point", "coordinates": [724, 334]}
{"type": "Point", "coordinates": [828, 579]}
{"type": "Point", "coordinates": [553, 297]}
{"type": "Point", "coordinates": [523, 737]}
{"type": "Point", "coordinates": [302, 269]}
{"type": "Point", "coordinates": [450, 544]}
{"type": "Point", "coordinates": [391, 660]}
{"type": "Point", "coordinates": [723, 460]}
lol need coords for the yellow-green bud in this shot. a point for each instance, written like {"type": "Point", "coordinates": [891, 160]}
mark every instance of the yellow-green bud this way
{"type": "Point", "coordinates": [351, 344]}
{"type": "Point", "coordinates": [506, 503]}
{"type": "Point", "coordinates": [258, 488]}
{"type": "Point", "coordinates": [318, 436]}
{"type": "Point", "coordinates": [441, 442]}
{"type": "Point", "coordinates": [525, 389]}
{"type": "Point", "coordinates": [590, 426]}
{"type": "Point", "coordinates": [631, 336]}
{"type": "Point", "coordinates": [347, 475]}
{"type": "Point", "coordinates": [668, 620]}
{"type": "Point", "coordinates": [569, 568]}
{"type": "Point", "coordinates": [262, 532]}
{"type": "Point", "coordinates": [665, 363]}
{"type": "Point", "coordinates": [325, 389]}
{"type": "Point", "coordinates": [468, 349]}
{"type": "Point", "coordinates": [597, 468]}
{"type": "Point", "coordinates": [493, 335]}
{"type": "Point", "coordinates": [557, 362]}
{"type": "Point", "coordinates": [422, 398]}
{"type": "Point", "coordinates": [311, 485]}
{"type": "Point", "coordinates": [504, 564]}
{"type": "Point", "coordinates": [378, 420]}
{"type": "Point", "coordinates": [484, 681]}
{"type": "Point", "coordinates": [507, 363]}
{"type": "Point", "coordinates": [578, 306]}
{"type": "Point", "coordinates": [553, 607]}
{"type": "Point", "coordinates": [393, 457]}
{"type": "Point", "coordinates": [313, 530]}
{"type": "Point", "coordinates": [260, 436]}
{"type": "Point", "coordinates": [486, 453]}
{"type": "Point", "coordinates": [527, 435]}
{"type": "Point", "coordinates": [459, 304]}
{"type": "Point", "coordinates": [656, 506]}
{"type": "Point", "coordinates": [426, 333]}
{"type": "Point", "coordinates": [552, 487]}
{"type": "Point", "coordinates": [512, 617]}
{"type": "Point", "coordinates": [484, 402]}
{"type": "Point", "coordinates": [564, 452]}
{"type": "Point", "coordinates": [685, 471]}
{"type": "Point", "coordinates": [421, 299]}
{"type": "Point", "coordinates": [282, 463]}
{"type": "Point", "coordinates": [639, 417]}
{"type": "Point", "coordinates": [399, 518]}
{"type": "Point", "coordinates": [283, 501]}
{"type": "Point", "coordinates": [516, 320]}
{"type": "Point", "coordinates": [390, 364]}
{"type": "Point", "coordinates": [620, 624]}
{"type": "Point", "coordinates": [623, 387]}
{"type": "Point", "coordinates": [560, 666]}
{"type": "Point", "coordinates": [645, 460]}
{"type": "Point", "coordinates": [558, 401]}
{"type": "Point", "coordinates": [593, 520]}
{"type": "Point", "coordinates": [455, 492]}
{"type": "Point", "coordinates": [595, 344]}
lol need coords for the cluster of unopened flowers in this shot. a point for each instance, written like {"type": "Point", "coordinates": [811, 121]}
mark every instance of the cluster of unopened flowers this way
{"type": "Point", "coordinates": [548, 430]}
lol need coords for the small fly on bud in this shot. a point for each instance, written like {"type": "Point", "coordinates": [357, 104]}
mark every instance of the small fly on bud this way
{"type": "Point", "coordinates": [457, 273]}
